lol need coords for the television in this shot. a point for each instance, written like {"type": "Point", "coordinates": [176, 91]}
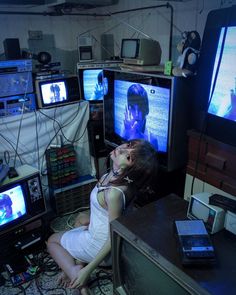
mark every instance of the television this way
{"type": "Point", "coordinates": [149, 106]}
{"type": "Point", "coordinates": [215, 96]}
{"type": "Point", "coordinates": [93, 86]}
{"type": "Point", "coordinates": [140, 52]}
{"type": "Point", "coordinates": [57, 91]}
{"type": "Point", "coordinates": [21, 200]}
{"type": "Point", "coordinates": [139, 269]}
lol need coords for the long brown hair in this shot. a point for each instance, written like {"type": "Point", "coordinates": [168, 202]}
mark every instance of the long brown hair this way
{"type": "Point", "coordinates": [142, 174]}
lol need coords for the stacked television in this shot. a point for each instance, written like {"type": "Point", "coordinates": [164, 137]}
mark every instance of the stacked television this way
{"type": "Point", "coordinates": [165, 108]}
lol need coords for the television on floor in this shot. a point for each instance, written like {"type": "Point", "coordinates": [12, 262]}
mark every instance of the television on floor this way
{"type": "Point", "coordinates": [149, 106]}
{"type": "Point", "coordinates": [21, 201]}
{"type": "Point", "coordinates": [215, 93]}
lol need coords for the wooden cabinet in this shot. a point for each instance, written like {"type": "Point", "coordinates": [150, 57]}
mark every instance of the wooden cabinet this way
{"type": "Point", "coordinates": [212, 162]}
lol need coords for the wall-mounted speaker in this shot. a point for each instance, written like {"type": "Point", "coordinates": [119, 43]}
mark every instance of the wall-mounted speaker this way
{"type": "Point", "coordinates": [12, 48]}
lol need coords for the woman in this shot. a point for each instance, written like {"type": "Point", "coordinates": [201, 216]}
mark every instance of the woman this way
{"type": "Point", "coordinates": [134, 168]}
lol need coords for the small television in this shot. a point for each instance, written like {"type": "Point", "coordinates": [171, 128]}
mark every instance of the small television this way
{"type": "Point", "coordinates": [56, 92]}
{"type": "Point", "coordinates": [199, 208]}
{"type": "Point", "coordinates": [215, 94]}
{"type": "Point", "coordinates": [92, 86]}
{"type": "Point", "coordinates": [148, 106]}
{"type": "Point", "coordinates": [140, 52]}
{"type": "Point", "coordinates": [21, 200]}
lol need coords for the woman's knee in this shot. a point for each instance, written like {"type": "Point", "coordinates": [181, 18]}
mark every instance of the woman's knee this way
{"type": "Point", "coordinates": [55, 238]}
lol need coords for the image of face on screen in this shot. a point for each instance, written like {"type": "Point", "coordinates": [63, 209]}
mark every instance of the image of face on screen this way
{"type": "Point", "coordinates": [141, 111]}
{"type": "Point", "coordinates": [95, 85]}
{"type": "Point", "coordinates": [56, 93]}
{"type": "Point", "coordinates": [223, 101]}
{"type": "Point", "coordinates": [12, 205]}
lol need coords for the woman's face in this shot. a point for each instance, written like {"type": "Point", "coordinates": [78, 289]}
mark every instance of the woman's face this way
{"type": "Point", "coordinates": [121, 156]}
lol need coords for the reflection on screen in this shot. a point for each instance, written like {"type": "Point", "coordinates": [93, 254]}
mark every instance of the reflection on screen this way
{"type": "Point", "coordinates": [140, 275]}
{"type": "Point", "coordinates": [93, 84]}
{"type": "Point", "coordinates": [199, 210]}
{"type": "Point", "coordinates": [12, 205]}
{"type": "Point", "coordinates": [156, 129]}
{"type": "Point", "coordinates": [223, 102]}
{"type": "Point", "coordinates": [54, 92]}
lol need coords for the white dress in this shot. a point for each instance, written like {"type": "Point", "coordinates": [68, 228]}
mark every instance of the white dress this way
{"type": "Point", "coordinates": [84, 243]}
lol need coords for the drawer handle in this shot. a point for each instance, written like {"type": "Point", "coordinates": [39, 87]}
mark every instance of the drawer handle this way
{"type": "Point", "coordinates": [215, 161]}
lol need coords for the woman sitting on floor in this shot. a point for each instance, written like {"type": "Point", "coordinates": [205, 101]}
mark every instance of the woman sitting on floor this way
{"type": "Point", "coordinates": [134, 169]}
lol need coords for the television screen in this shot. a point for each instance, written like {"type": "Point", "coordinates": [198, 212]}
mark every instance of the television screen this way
{"type": "Point", "coordinates": [129, 48]}
{"type": "Point", "coordinates": [147, 106]}
{"type": "Point", "coordinates": [53, 92]}
{"type": "Point", "coordinates": [223, 83]}
{"type": "Point", "coordinates": [93, 84]}
{"type": "Point", "coordinates": [12, 205]}
{"type": "Point", "coordinates": [142, 111]}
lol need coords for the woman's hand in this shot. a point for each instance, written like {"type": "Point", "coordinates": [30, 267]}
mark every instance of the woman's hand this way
{"type": "Point", "coordinates": [82, 278]}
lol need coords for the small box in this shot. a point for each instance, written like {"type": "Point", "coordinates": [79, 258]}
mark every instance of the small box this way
{"type": "Point", "coordinates": [199, 208]}
{"type": "Point", "coordinates": [230, 222]}
{"type": "Point", "coordinates": [73, 197]}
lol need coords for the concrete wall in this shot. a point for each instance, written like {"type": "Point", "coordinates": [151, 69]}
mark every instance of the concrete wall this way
{"type": "Point", "coordinates": [60, 33]}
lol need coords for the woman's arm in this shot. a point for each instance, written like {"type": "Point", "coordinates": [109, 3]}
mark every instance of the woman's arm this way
{"type": "Point", "coordinates": [114, 201]}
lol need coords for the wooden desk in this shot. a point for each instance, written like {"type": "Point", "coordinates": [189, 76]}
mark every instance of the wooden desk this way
{"type": "Point", "coordinates": [153, 225]}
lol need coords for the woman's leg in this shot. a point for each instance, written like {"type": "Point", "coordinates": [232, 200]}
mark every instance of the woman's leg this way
{"type": "Point", "coordinates": [62, 257]}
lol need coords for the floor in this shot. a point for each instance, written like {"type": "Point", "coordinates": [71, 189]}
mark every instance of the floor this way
{"type": "Point", "coordinates": [45, 282]}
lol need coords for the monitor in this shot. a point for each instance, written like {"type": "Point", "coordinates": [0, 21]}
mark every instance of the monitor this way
{"type": "Point", "coordinates": [140, 269]}
{"type": "Point", "coordinates": [21, 201]}
{"type": "Point", "coordinates": [92, 84]}
{"type": "Point", "coordinates": [215, 98]}
{"type": "Point", "coordinates": [141, 51]}
{"type": "Point", "coordinates": [57, 92]}
{"type": "Point", "coordinates": [147, 106]}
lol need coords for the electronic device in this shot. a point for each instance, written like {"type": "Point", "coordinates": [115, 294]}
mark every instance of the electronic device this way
{"type": "Point", "coordinates": [194, 242]}
{"type": "Point", "coordinates": [57, 92]}
{"type": "Point", "coordinates": [215, 101]}
{"type": "Point", "coordinates": [139, 268]}
{"type": "Point", "coordinates": [92, 85]}
{"type": "Point", "coordinates": [230, 222]}
{"type": "Point", "coordinates": [223, 202]}
{"type": "Point", "coordinates": [21, 200]}
{"type": "Point", "coordinates": [199, 208]}
{"type": "Point", "coordinates": [141, 52]}
{"type": "Point", "coordinates": [163, 103]}
{"type": "Point", "coordinates": [16, 87]}
{"type": "Point", "coordinates": [22, 269]}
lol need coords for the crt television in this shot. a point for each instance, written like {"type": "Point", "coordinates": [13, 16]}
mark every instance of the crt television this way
{"type": "Point", "coordinates": [140, 51]}
{"type": "Point", "coordinates": [21, 200]}
{"type": "Point", "coordinates": [216, 78]}
{"type": "Point", "coordinates": [149, 106]}
{"type": "Point", "coordinates": [139, 269]}
{"type": "Point", "coordinates": [56, 92]}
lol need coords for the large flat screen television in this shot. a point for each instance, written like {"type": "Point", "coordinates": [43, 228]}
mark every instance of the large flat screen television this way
{"type": "Point", "coordinates": [148, 106]}
{"type": "Point", "coordinates": [57, 91]}
{"type": "Point", "coordinates": [216, 77]}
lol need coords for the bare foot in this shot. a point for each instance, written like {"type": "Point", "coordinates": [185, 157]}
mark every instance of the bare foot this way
{"type": "Point", "coordinates": [63, 280]}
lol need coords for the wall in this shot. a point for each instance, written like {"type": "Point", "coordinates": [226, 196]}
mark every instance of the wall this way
{"type": "Point", "coordinates": [60, 33]}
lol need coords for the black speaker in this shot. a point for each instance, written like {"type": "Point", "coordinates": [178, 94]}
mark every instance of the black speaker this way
{"type": "Point", "coordinates": [96, 139]}
{"type": "Point", "coordinates": [12, 48]}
